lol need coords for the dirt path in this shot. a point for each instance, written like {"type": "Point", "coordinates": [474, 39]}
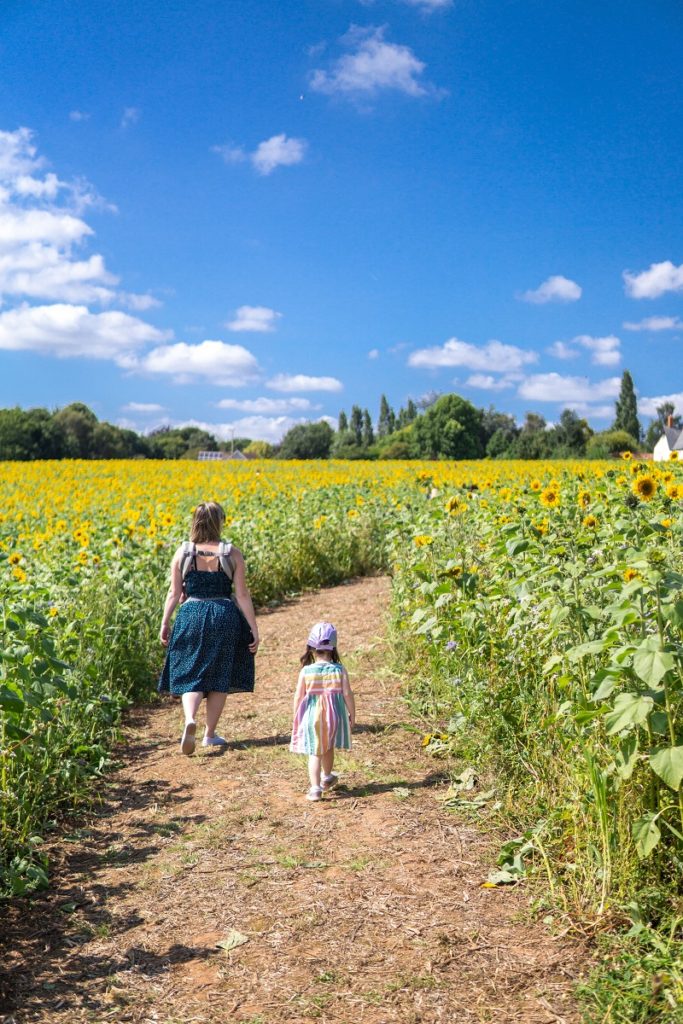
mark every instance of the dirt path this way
{"type": "Point", "coordinates": [366, 907]}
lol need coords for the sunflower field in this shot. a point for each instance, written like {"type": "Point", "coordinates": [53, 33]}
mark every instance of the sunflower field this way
{"type": "Point", "coordinates": [537, 615]}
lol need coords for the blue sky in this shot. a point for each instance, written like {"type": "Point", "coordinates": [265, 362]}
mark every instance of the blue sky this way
{"type": "Point", "coordinates": [247, 213]}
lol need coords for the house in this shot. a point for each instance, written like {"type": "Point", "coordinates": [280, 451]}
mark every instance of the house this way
{"type": "Point", "coordinates": [670, 441]}
{"type": "Point", "coordinates": [221, 456]}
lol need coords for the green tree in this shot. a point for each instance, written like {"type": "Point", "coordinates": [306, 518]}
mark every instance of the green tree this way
{"type": "Point", "coordinates": [307, 441]}
{"type": "Point", "coordinates": [76, 422]}
{"type": "Point", "coordinates": [386, 424]}
{"type": "Point", "coordinates": [259, 449]}
{"type": "Point", "coordinates": [568, 438]}
{"type": "Point", "coordinates": [610, 442]}
{"type": "Point", "coordinates": [532, 442]}
{"type": "Point", "coordinates": [451, 428]}
{"type": "Point", "coordinates": [343, 423]}
{"type": "Point", "coordinates": [626, 417]}
{"type": "Point", "coordinates": [368, 433]}
{"type": "Point", "coordinates": [29, 434]}
{"type": "Point", "coordinates": [356, 424]}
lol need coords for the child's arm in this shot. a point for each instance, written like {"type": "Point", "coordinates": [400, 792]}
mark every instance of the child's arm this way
{"type": "Point", "coordinates": [348, 697]}
{"type": "Point", "coordinates": [299, 693]}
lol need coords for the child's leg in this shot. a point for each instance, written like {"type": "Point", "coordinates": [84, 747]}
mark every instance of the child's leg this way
{"type": "Point", "coordinates": [314, 770]}
{"type": "Point", "coordinates": [328, 762]}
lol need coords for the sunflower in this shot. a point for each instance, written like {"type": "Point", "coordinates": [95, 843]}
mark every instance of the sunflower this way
{"type": "Point", "coordinates": [666, 523]}
{"type": "Point", "coordinates": [674, 491]}
{"type": "Point", "coordinates": [674, 456]}
{"type": "Point", "coordinates": [454, 505]}
{"type": "Point", "coordinates": [19, 574]}
{"type": "Point", "coordinates": [423, 540]}
{"type": "Point", "coordinates": [541, 527]}
{"type": "Point", "coordinates": [644, 487]}
{"type": "Point", "coordinates": [631, 574]}
{"type": "Point", "coordinates": [14, 558]}
{"type": "Point", "coordinates": [627, 456]}
{"type": "Point", "coordinates": [550, 497]}
{"type": "Point", "coordinates": [590, 522]}
{"type": "Point", "coordinates": [505, 494]}
{"type": "Point", "coordinates": [584, 498]}
{"type": "Point", "coordinates": [535, 485]}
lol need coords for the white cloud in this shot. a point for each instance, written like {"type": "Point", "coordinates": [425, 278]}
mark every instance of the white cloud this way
{"type": "Point", "coordinates": [258, 428]}
{"type": "Point", "coordinates": [48, 227]}
{"type": "Point", "coordinates": [553, 387]}
{"type": "Point", "coordinates": [561, 350]}
{"type": "Point", "coordinates": [78, 115]}
{"type": "Point", "coordinates": [658, 279]}
{"type": "Point", "coordinates": [301, 382]}
{"type": "Point", "coordinates": [372, 67]}
{"type": "Point", "coordinates": [656, 323]}
{"type": "Point", "coordinates": [430, 5]}
{"type": "Point", "coordinates": [492, 357]}
{"type": "Point", "coordinates": [65, 331]}
{"type": "Point", "coordinates": [138, 302]}
{"type": "Point", "coordinates": [486, 382]}
{"type": "Point", "coordinates": [216, 362]}
{"type": "Point", "coordinates": [604, 351]}
{"type": "Point", "coordinates": [254, 318]}
{"type": "Point", "coordinates": [231, 154]}
{"type": "Point", "coordinates": [277, 151]}
{"type": "Point", "coordinates": [41, 229]}
{"type": "Point", "coordinates": [18, 154]}
{"type": "Point", "coordinates": [267, 406]}
{"type": "Point", "coordinates": [131, 115]}
{"type": "Point", "coordinates": [648, 406]}
{"type": "Point", "coordinates": [554, 289]}
{"type": "Point", "coordinates": [373, 353]}
{"type": "Point", "coordinates": [146, 408]}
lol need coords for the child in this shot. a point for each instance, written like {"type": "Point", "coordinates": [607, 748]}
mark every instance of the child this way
{"type": "Point", "coordinates": [324, 709]}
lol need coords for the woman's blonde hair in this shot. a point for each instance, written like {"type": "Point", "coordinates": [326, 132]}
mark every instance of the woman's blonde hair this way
{"type": "Point", "coordinates": [207, 523]}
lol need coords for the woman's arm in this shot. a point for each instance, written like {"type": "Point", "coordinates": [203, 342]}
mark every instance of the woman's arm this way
{"type": "Point", "coordinates": [244, 597]}
{"type": "Point", "coordinates": [349, 699]}
{"type": "Point", "coordinates": [175, 592]}
{"type": "Point", "coordinates": [299, 693]}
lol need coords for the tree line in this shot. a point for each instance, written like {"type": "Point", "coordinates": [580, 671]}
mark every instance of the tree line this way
{"type": "Point", "coordinates": [450, 427]}
{"type": "Point", "coordinates": [438, 427]}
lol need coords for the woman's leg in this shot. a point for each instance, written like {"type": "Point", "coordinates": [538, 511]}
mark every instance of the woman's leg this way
{"type": "Point", "coordinates": [191, 702]}
{"type": "Point", "coordinates": [215, 702]}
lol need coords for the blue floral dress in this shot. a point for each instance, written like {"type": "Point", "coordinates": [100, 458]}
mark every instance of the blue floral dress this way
{"type": "Point", "coordinates": [209, 645]}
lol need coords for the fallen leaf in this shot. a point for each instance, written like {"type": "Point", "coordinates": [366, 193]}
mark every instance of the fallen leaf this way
{"type": "Point", "coordinates": [232, 940]}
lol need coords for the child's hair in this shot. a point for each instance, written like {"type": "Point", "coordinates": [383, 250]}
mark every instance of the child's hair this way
{"type": "Point", "coordinates": [207, 523]}
{"type": "Point", "coordinates": [308, 657]}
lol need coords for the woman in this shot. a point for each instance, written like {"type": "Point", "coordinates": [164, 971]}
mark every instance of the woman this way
{"type": "Point", "coordinates": [214, 639]}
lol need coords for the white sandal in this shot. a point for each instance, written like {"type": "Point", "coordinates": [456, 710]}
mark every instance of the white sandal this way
{"type": "Point", "coordinates": [187, 742]}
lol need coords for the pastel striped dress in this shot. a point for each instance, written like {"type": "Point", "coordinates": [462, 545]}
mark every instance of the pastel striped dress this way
{"type": "Point", "coordinates": [321, 721]}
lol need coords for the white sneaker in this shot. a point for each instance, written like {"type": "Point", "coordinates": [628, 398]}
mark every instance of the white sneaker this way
{"type": "Point", "coordinates": [214, 741]}
{"type": "Point", "coordinates": [187, 742]}
{"type": "Point", "coordinates": [329, 781]}
{"type": "Point", "coordinates": [315, 793]}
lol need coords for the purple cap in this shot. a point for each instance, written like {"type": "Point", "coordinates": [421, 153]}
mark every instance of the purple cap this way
{"type": "Point", "coordinates": [323, 637]}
